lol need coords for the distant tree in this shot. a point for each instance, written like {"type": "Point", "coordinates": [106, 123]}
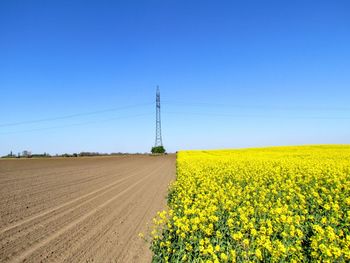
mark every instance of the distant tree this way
{"type": "Point", "coordinates": [27, 154]}
{"type": "Point", "coordinates": [158, 150]}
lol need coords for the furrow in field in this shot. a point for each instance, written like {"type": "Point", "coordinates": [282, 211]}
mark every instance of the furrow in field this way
{"type": "Point", "coordinates": [63, 205]}
{"type": "Point", "coordinates": [98, 238]}
{"type": "Point", "coordinates": [124, 228]}
{"type": "Point", "coordinates": [151, 202]}
{"type": "Point", "coordinates": [49, 222]}
{"type": "Point", "coordinates": [44, 177]}
{"type": "Point", "coordinates": [83, 217]}
{"type": "Point", "coordinates": [72, 224]}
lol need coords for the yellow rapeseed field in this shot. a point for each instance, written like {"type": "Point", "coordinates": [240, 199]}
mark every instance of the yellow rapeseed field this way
{"type": "Point", "coordinates": [278, 204]}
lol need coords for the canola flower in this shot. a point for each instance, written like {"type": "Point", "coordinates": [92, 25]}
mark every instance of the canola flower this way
{"type": "Point", "coordinates": [279, 204]}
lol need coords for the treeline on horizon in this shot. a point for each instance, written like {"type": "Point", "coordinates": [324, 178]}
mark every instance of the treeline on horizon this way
{"type": "Point", "coordinates": [82, 154]}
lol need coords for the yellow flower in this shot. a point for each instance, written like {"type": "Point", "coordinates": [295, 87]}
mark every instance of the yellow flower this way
{"type": "Point", "coordinates": [237, 236]}
{"type": "Point", "coordinates": [246, 242]}
{"type": "Point", "coordinates": [233, 255]}
{"type": "Point", "coordinates": [258, 201]}
{"type": "Point", "coordinates": [258, 254]}
{"type": "Point", "coordinates": [223, 257]}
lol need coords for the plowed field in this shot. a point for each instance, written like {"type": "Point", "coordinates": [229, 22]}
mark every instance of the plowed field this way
{"type": "Point", "coordinates": [80, 209]}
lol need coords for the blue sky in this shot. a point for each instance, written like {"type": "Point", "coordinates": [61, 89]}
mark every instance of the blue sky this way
{"type": "Point", "coordinates": [231, 74]}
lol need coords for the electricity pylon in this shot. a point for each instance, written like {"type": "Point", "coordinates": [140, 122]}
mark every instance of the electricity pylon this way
{"type": "Point", "coordinates": [158, 141]}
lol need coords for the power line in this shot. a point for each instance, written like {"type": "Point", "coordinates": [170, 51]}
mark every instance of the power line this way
{"type": "Point", "coordinates": [242, 116]}
{"type": "Point", "coordinates": [77, 124]}
{"type": "Point", "coordinates": [261, 106]}
{"type": "Point", "coordinates": [73, 115]}
{"type": "Point", "coordinates": [246, 116]}
{"type": "Point", "coordinates": [196, 104]}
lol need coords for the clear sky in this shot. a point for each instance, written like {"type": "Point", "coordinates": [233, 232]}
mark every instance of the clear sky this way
{"type": "Point", "coordinates": [231, 74]}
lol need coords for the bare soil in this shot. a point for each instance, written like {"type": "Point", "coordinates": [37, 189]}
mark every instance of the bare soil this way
{"type": "Point", "coordinates": [80, 209]}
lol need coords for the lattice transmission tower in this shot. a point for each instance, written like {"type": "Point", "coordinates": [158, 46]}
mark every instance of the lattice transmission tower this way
{"type": "Point", "coordinates": [158, 141]}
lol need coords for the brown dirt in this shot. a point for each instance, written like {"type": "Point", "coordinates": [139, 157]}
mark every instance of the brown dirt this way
{"type": "Point", "coordinates": [80, 209]}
